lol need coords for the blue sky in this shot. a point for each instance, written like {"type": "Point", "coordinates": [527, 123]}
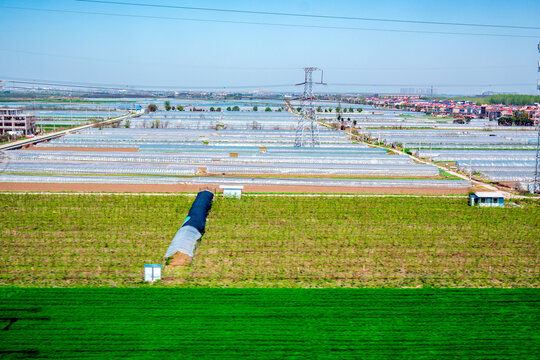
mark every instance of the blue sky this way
{"type": "Point", "coordinates": [103, 49]}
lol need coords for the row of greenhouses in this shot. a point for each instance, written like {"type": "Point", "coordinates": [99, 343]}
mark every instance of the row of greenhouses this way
{"type": "Point", "coordinates": [500, 170]}
{"type": "Point", "coordinates": [433, 139]}
{"type": "Point", "coordinates": [389, 183]}
{"type": "Point", "coordinates": [499, 155]}
{"type": "Point", "coordinates": [123, 137]}
{"type": "Point", "coordinates": [221, 154]}
{"type": "Point", "coordinates": [268, 157]}
{"type": "Point", "coordinates": [360, 162]}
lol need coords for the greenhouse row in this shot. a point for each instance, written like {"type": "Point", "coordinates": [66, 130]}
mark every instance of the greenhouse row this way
{"type": "Point", "coordinates": [335, 182]}
{"type": "Point", "coordinates": [66, 179]}
{"type": "Point", "coordinates": [137, 137]}
{"type": "Point", "coordinates": [457, 155]}
{"type": "Point", "coordinates": [508, 177]}
{"type": "Point", "coordinates": [202, 157]}
{"type": "Point", "coordinates": [499, 155]}
{"type": "Point", "coordinates": [501, 170]}
{"type": "Point", "coordinates": [190, 164]}
{"type": "Point", "coordinates": [446, 138]}
{"type": "Point", "coordinates": [171, 155]}
{"type": "Point", "coordinates": [235, 181]}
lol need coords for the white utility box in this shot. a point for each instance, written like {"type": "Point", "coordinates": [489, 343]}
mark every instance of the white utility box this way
{"type": "Point", "coordinates": [152, 272]}
{"type": "Point", "coordinates": [233, 191]}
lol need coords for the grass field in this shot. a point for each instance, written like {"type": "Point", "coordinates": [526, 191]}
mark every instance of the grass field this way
{"type": "Point", "coordinates": [270, 323]}
{"type": "Point", "coordinates": [93, 240]}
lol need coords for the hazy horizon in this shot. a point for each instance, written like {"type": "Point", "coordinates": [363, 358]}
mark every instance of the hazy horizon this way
{"type": "Point", "coordinates": [128, 45]}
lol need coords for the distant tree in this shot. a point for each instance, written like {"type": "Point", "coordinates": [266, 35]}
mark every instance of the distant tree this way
{"type": "Point", "coordinates": [523, 119]}
{"type": "Point", "coordinates": [338, 109]}
{"type": "Point", "coordinates": [354, 122]}
{"type": "Point", "coordinates": [359, 109]}
{"type": "Point", "coordinates": [267, 109]}
{"type": "Point", "coordinates": [319, 109]}
{"type": "Point", "coordinates": [235, 108]}
{"type": "Point", "coordinates": [279, 109]}
{"type": "Point", "coordinates": [255, 108]}
{"type": "Point", "coordinates": [329, 109]}
{"type": "Point", "coordinates": [127, 124]}
{"type": "Point", "coordinates": [351, 110]}
{"type": "Point", "coordinates": [228, 108]}
{"type": "Point", "coordinates": [505, 121]}
{"type": "Point", "coordinates": [167, 105]}
{"type": "Point", "coordinates": [212, 108]}
{"type": "Point", "coordinates": [218, 109]}
{"type": "Point", "coordinates": [151, 108]}
{"type": "Point", "coordinates": [180, 108]}
{"type": "Point", "coordinates": [344, 110]}
{"type": "Point", "coordinates": [520, 118]}
{"type": "Point", "coordinates": [173, 108]}
{"type": "Point", "coordinates": [512, 99]}
{"type": "Point", "coordinates": [298, 109]}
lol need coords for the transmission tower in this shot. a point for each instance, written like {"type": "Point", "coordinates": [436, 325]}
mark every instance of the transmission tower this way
{"type": "Point", "coordinates": [537, 168]}
{"type": "Point", "coordinates": [307, 130]}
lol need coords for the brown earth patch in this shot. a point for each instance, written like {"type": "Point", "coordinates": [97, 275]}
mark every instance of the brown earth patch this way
{"type": "Point", "coordinates": [507, 184]}
{"type": "Point", "coordinates": [353, 190]}
{"type": "Point", "coordinates": [87, 149]}
{"type": "Point", "coordinates": [321, 176]}
{"type": "Point", "coordinates": [179, 188]}
{"type": "Point", "coordinates": [179, 259]}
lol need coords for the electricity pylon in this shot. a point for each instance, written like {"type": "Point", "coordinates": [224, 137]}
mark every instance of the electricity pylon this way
{"type": "Point", "coordinates": [307, 130]}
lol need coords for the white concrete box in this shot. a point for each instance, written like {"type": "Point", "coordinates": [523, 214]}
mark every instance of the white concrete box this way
{"type": "Point", "coordinates": [233, 191]}
{"type": "Point", "coordinates": [152, 272]}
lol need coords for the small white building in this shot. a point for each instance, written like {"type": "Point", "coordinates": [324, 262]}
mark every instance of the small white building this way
{"type": "Point", "coordinates": [233, 191]}
{"type": "Point", "coordinates": [486, 199]}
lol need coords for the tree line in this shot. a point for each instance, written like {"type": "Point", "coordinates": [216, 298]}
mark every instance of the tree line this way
{"type": "Point", "coordinates": [510, 99]}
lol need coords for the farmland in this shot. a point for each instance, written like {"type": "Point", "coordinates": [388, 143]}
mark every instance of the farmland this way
{"type": "Point", "coordinates": [270, 241]}
{"type": "Point", "coordinates": [213, 147]}
{"type": "Point", "coordinates": [270, 323]}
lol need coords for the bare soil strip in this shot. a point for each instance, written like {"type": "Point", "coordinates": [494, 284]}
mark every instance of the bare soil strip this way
{"type": "Point", "coordinates": [179, 188]}
{"type": "Point", "coordinates": [86, 149]}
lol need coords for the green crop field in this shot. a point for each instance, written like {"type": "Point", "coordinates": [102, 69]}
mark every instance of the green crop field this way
{"type": "Point", "coordinates": [71, 279]}
{"type": "Point", "coordinates": [95, 240]}
{"type": "Point", "coordinates": [270, 323]}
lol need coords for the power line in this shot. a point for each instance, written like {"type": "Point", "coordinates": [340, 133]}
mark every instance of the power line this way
{"type": "Point", "coordinates": [266, 23]}
{"type": "Point", "coordinates": [427, 85]}
{"type": "Point", "coordinates": [85, 58]}
{"type": "Point", "coordinates": [142, 93]}
{"type": "Point", "coordinates": [135, 87]}
{"type": "Point", "coordinates": [62, 90]}
{"type": "Point", "coordinates": [250, 68]}
{"type": "Point", "coordinates": [310, 15]}
{"type": "Point", "coordinates": [147, 88]}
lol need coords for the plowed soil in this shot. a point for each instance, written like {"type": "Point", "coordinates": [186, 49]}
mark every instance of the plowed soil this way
{"type": "Point", "coordinates": [179, 188]}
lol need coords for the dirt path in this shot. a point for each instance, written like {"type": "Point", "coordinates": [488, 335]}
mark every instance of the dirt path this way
{"type": "Point", "coordinates": [180, 188]}
{"type": "Point", "coordinates": [193, 194]}
{"type": "Point", "coordinates": [84, 149]}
